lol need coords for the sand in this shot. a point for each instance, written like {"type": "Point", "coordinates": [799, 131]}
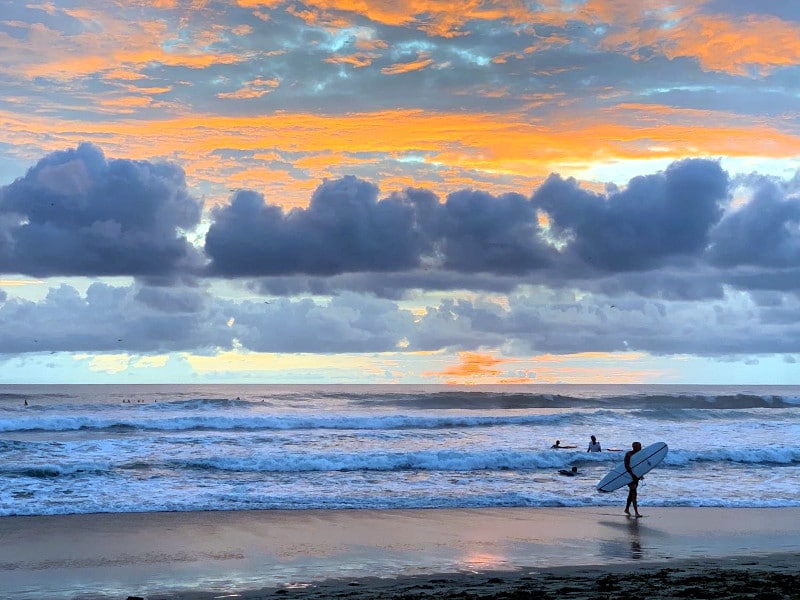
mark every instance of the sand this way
{"type": "Point", "coordinates": [483, 553]}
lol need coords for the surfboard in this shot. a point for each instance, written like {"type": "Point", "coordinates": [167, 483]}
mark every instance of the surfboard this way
{"type": "Point", "coordinates": [641, 462]}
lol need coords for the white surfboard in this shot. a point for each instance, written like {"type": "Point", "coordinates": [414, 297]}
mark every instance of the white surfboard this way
{"type": "Point", "coordinates": [641, 463]}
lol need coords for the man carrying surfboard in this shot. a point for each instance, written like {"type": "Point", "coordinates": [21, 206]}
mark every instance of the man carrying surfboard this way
{"type": "Point", "coordinates": [633, 485]}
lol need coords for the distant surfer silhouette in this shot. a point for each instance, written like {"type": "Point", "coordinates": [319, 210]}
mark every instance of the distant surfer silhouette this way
{"type": "Point", "coordinates": [569, 472]}
{"type": "Point", "coordinates": [594, 445]}
{"type": "Point", "coordinates": [633, 485]}
{"type": "Point", "coordinates": [557, 444]}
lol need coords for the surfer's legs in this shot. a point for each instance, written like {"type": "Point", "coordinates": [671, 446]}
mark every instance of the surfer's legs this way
{"type": "Point", "coordinates": [632, 500]}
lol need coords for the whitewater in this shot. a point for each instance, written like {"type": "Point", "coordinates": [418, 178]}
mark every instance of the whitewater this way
{"type": "Point", "coordinates": [135, 448]}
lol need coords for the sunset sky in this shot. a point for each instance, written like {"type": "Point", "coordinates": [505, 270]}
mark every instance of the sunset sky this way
{"type": "Point", "coordinates": [400, 191]}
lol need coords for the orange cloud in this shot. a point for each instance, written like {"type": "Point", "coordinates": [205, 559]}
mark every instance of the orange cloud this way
{"type": "Point", "coordinates": [123, 74]}
{"type": "Point", "coordinates": [444, 18]}
{"type": "Point", "coordinates": [358, 60]}
{"type": "Point", "coordinates": [416, 65]}
{"type": "Point", "coordinates": [252, 89]}
{"type": "Point", "coordinates": [454, 150]}
{"type": "Point", "coordinates": [475, 368]}
{"type": "Point", "coordinates": [585, 367]}
{"type": "Point", "coordinates": [117, 46]}
{"type": "Point", "coordinates": [760, 43]}
{"type": "Point", "coordinates": [681, 30]}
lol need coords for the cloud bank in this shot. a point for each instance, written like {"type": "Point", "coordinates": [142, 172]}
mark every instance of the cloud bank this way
{"type": "Point", "coordinates": [685, 260]}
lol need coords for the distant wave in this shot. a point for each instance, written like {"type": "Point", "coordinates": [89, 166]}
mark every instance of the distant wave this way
{"type": "Point", "coordinates": [482, 400]}
{"type": "Point", "coordinates": [456, 399]}
{"type": "Point", "coordinates": [54, 470]}
{"type": "Point", "coordinates": [747, 456]}
{"type": "Point", "coordinates": [245, 422]}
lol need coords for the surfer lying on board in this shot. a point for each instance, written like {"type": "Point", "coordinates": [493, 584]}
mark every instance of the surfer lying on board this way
{"type": "Point", "coordinates": [633, 485]}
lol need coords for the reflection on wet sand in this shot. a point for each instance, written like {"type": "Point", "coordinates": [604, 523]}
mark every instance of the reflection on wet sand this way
{"type": "Point", "coordinates": [635, 538]}
{"type": "Point", "coordinates": [629, 545]}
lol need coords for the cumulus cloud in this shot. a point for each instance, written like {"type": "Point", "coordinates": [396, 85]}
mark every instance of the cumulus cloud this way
{"type": "Point", "coordinates": [345, 228]}
{"type": "Point", "coordinates": [652, 221]}
{"type": "Point", "coordinates": [77, 213]}
{"type": "Point", "coordinates": [655, 219]}
{"type": "Point", "coordinates": [481, 233]}
{"type": "Point", "coordinates": [667, 235]}
{"type": "Point", "coordinates": [764, 232]}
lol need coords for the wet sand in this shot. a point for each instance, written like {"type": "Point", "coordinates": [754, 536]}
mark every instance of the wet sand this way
{"type": "Point", "coordinates": [481, 553]}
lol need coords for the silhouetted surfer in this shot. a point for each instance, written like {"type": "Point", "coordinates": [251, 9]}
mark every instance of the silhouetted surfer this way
{"type": "Point", "coordinates": [633, 485]}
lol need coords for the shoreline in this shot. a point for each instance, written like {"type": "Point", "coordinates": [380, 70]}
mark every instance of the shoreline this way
{"type": "Point", "coordinates": [202, 555]}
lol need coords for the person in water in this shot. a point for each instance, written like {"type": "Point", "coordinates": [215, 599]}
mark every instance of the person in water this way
{"type": "Point", "coordinates": [557, 444]}
{"type": "Point", "coordinates": [571, 473]}
{"type": "Point", "coordinates": [633, 485]}
{"type": "Point", "coordinates": [594, 445]}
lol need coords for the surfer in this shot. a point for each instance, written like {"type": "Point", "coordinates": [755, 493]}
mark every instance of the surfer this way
{"type": "Point", "coordinates": [557, 445]}
{"type": "Point", "coordinates": [571, 473]}
{"type": "Point", "coordinates": [633, 485]}
{"type": "Point", "coordinates": [594, 445]}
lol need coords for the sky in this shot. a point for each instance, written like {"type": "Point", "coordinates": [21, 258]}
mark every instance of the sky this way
{"type": "Point", "coordinates": [404, 191]}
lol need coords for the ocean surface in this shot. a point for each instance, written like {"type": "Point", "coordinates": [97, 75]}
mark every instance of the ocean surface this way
{"type": "Point", "coordinates": [140, 448]}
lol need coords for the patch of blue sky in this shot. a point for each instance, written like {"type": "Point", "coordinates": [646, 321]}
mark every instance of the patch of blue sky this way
{"type": "Point", "coordinates": [12, 164]}
{"type": "Point", "coordinates": [172, 44]}
{"type": "Point", "coordinates": [676, 88]}
{"type": "Point", "coordinates": [413, 157]}
{"type": "Point", "coordinates": [342, 38]}
{"type": "Point", "coordinates": [412, 47]}
{"type": "Point", "coordinates": [471, 57]}
{"type": "Point", "coordinates": [783, 167]}
{"type": "Point", "coordinates": [566, 5]}
{"type": "Point", "coordinates": [618, 172]}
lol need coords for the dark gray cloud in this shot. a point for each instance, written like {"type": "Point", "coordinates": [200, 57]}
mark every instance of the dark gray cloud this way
{"type": "Point", "coordinates": [110, 319]}
{"type": "Point", "coordinates": [538, 320]}
{"type": "Point", "coordinates": [764, 232]}
{"type": "Point", "coordinates": [481, 233]}
{"type": "Point", "coordinates": [385, 285]}
{"type": "Point", "coordinates": [654, 220]}
{"type": "Point", "coordinates": [76, 213]}
{"type": "Point", "coordinates": [349, 323]}
{"type": "Point", "coordinates": [345, 228]}
{"type": "Point", "coordinates": [533, 319]}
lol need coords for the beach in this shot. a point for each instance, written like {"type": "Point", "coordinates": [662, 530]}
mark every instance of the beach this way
{"type": "Point", "coordinates": [592, 552]}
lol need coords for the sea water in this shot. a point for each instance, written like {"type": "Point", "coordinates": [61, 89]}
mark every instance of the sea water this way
{"type": "Point", "coordinates": [134, 448]}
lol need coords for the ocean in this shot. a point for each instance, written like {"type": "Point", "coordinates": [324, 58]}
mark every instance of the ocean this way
{"type": "Point", "coordinates": [143, 448]}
